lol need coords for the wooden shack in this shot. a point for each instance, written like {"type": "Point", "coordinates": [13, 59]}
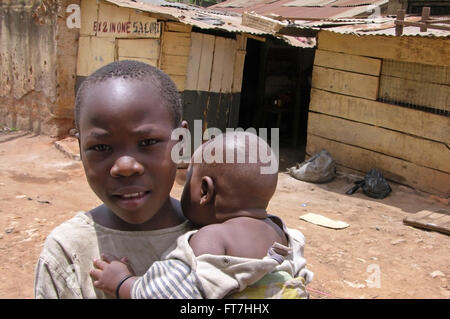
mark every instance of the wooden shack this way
{"type": "Point", "coordinates": [204, 53]}
{"type": "Point", "coordinates": [383, 102]}
{"type": "Point", "coordinates": [205, 66]}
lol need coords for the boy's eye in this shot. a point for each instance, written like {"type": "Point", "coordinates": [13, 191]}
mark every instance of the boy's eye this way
{"type": "Point", "coordinates": [101, 148]}
{"type": "Point", "coordinates": [147, 142]}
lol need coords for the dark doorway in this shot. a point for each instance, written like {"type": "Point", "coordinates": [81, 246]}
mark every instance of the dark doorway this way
{"type": "Point", "coordinates": [275, 94]}
{"type": "Point", "coordinates": [249, 90]}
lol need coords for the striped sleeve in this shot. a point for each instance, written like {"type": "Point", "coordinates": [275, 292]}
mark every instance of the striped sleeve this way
{"type": "Point", "coordinates": [168, 279]}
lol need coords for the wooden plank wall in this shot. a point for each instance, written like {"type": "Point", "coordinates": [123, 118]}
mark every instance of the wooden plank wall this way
{"type": "Point", "coordinates": [144, 50]}
{"type": "Point", "coordinates": [214, 79]}
{"type": "Point", "coordinates": [215, 63]}
{"type": "Point", "coordinates": [410, 146]}
{"type": "Point", "coordinates": [98, 47]}
{"type": "Point", "coordinates": [175, 47]}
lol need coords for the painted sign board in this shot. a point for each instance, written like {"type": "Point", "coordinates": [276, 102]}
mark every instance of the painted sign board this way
{"type": "Point", "coordinates": [107, 20]}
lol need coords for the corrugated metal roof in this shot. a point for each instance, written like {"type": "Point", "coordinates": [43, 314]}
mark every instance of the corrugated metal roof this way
{"type": "Point", "coordinates": [302, 9]}
{"type": "Point", "coordinates": [204, 18]}
{"type": "Point", "coordinates": [354, 3]}
{"type": "Point", "coordinates": [192, 15]}
{"type": "Point", "coordinates": [380, 26]}
{"type": "Point", "coordinates": [308, 3]}
{"type": "Point", "coordinates": [335, 16]}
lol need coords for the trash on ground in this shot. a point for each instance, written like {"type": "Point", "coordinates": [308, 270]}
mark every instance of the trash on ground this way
{"type": "Point", "coordinates": [354, 285]}
{"type": "Point", "coordinates": [320, 168]}
{"type": "Point", "coordinates": [324, 221]}
{"type": "Point", "coordinates": [373, 185]}
{"type": "Point", "coordinates": [437, 273]}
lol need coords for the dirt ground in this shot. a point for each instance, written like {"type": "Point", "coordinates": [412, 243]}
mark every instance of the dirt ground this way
{"type": "Point", "coordinates": [377, 256]}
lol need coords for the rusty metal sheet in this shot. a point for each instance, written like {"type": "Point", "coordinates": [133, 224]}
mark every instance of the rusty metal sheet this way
{"type": "Point", "coordinates": [355, 3]}
{"type": "Point", "coordinates": [309, 3]}
{"type": "Point", "coordinates": [287, 8]}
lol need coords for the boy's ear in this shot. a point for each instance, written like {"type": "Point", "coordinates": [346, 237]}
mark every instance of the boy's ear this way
{"type": "Point", "coordinates": [207, 190]}
{"type": "Point", "coordinates": [76, 133]}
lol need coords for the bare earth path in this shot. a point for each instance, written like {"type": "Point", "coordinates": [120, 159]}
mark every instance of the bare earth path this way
{"type": "Point", "coordinates": [376, 257]}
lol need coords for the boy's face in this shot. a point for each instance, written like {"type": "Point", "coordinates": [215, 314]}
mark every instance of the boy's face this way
{"type": "Point", "coordinates": [125, 141]}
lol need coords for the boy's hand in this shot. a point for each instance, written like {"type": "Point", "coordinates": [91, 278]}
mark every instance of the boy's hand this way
{"type": "Point", "coordinates": [108, 273]}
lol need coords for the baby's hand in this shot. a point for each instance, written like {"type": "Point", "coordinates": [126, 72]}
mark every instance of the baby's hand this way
{"type": "Point", "coordinates": [109, 271]}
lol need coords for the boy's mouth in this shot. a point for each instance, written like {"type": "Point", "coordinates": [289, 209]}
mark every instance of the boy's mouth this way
{"type": "Point", "coordinates": [132, 195]}
{"type": "Point", "coordinates": [131, 200]}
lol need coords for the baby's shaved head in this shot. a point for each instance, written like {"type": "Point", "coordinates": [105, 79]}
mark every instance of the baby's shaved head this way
{"type": "Point", "coordinates": [237, 171]}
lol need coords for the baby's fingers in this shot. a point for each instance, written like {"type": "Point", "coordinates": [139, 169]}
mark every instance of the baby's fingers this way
{"type": "Point", "coordinates": [100, 264]}
{"type": "Point", "coordinates": [95, 274]}
{"type": "Point", "coordinates": [109, 258]}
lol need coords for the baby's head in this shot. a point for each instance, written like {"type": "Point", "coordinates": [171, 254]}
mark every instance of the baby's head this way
{"type": "Point", "coordinates": [216, 191]}
{"type": "Point", "coordinates": [125, 113]}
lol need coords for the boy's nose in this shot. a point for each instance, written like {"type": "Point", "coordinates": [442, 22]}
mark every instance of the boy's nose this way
{"type": "Point", "coordinates": [126, 166]}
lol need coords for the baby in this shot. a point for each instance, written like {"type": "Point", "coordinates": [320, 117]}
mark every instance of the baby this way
{"type": "Point", "coordinates": [239, 250]}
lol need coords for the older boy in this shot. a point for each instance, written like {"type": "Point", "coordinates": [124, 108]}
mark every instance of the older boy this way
{"type": "Point", "coordinates": [228, 254]}
{"type": "Point", "coordinates": [125, 113]}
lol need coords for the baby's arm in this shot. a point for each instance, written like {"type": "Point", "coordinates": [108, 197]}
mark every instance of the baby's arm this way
{"type": "Point", "coordinates": [208, 240]}
{"type": "Point", "coordinates": [110, 272]}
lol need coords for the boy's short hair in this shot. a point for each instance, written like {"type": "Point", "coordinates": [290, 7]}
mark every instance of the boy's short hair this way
{"type": "Point", "coordinates": [134, 70]}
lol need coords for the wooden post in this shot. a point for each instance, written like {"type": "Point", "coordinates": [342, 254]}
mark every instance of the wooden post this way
{"type": "Point", "coordinates": [425, 16]}
{"type": "Point", "coordinates": [400, 17]}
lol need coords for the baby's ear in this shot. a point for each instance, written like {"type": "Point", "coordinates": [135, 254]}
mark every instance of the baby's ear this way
{"type": "Point", "coordinates": [184, 124]}
{"type": "Point", "coordinates": [207, 190]}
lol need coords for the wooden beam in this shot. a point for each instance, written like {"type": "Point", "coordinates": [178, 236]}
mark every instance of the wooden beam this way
{"type": "Point", "coordinates": [148, 61]}
{"type": "Point", "coordinates": [425, 16]}
{"type": "Point", "coordinates": [347, 62]}
{"type": "Point", "coordinates": [425, 50]}
{"type": "Point", "coordinates": [177, 27]}
{"type": "Point", "coordinates": [195, 52]}
{"type": "Point", "coordinates": [207, 55]}
{"type": "Point", "coordinates": [255, 37]}
{"type": "Point", "coordinates": [176, 43]}
{"type": "Point", "coordinates": [228, 66]}
{"type": "Point", "coordinates": [139, 48]}
{"type": "Point", "coordinates": [417, 72]}
{"type": "Point", "coordinates": [412, 92]}
{"type": "Point", "coordinates": [89, 14]}
{"type": "Point", "coordinates": [417, 150]}
{"type": "Point", "coordinates": [398, 26]}
{"type": "Point", "coordinates": [93, 53]}
{"type": "Point", "coordinates": [347, 83]}
{"type": "Point", "coordinates": [218, 64]}
{"type": "Point", "coordinates": [174, 64]}
{"type": "Point", "coordinates": [411, 121]}
{"type": "Point", "coordinates": [422, 25]}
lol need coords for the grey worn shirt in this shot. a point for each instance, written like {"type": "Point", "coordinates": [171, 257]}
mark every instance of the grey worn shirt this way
{"type": "Point", "coordinates": [63, 267]}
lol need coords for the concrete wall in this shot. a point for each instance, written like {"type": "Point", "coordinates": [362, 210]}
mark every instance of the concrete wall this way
{"type": "Point", "coordinates": [37, 65]}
